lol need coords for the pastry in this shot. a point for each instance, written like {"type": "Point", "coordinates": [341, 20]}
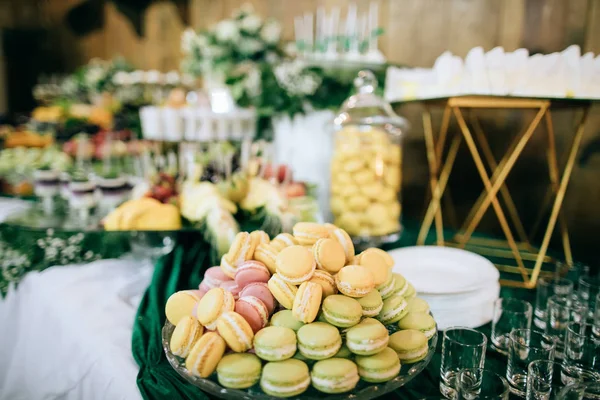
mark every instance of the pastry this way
{"type": "Point", "coordinates": [342, 311]}
{"type": "Point", "coordinates": [181, 304]}
{"type": "Point", "coordinates": [283, 292]}
{"type": "Point", "coordinates": [389, 260]}
{"type": "Point", "coordinates": [394, 309]}
{"type": "Point", "coordinates": [205, 355]}
{"type": "Point", "coordinates": [354, 281]}
{"type": "Point", "coordinates": [282, 241]}
{"type": "Point", "coordinates": [371, 304]}
{"type": "Point", "coordinates": [239, 370]}
{"type": "Point", "coordinates": [344, 352]}
{"type": "Point", "coordinates": [242, 249]}
{"type": "Point", "coordinates": [259, 237]}
{"type": "Point", "coordinates": [326, 281]}
{"type": "Point", "coordinates": [417, 305]}
{"type": "Point", "coordinates": [419, 321]}
{"type": "Point", "coordinates": [295, 264]}
{"type": "Point", "coordinates": [254, 311]}
{"type": "Point", "coordinates": [231, 287]}
{"type": "Point", "coordinates": [185, 335]}
{"type": "Point", "coordinates": [319, 340]}
{"type": "Point", "coordinates": [236, 331]}
{"type": "Point", "coordinates": [410, 345]}
{"type": "Point", "coordinates": [261, 291]}
{"type": "Point", "coordinates": [214, 303]}
{"type": "Point", "coordinates": [275, 343]}
{"type": "Point", "coordinates": [345, 240]}
{"type": "Point", "coordinates": [329, 255]}
{"type": "Point", "coordinates": [267, 254]}
{"type": "Point", "coordinates": [400, 285]}
{"type": "Point", "coordinates": [285, 378]}
{"type": "Point", "coordinates": [286, 319]}
{"type": "Point", "coordinates": [380, 367]}
{"type": "Point", "coordinates": [376, 264]}
{"type": "Point", "coordinates": [307, 233]}
{"type": "Point", "coordinates": [335, 375]}
{"type": "Point", "coordinates": [307, 302]}
{"type": "Point", "coordinates": [387, 288]}
{"type": "Point", "coordinates": [410, 291]}
{"type": "Point", "coordinates": [213, 277]}
{"type": "Point", "coordinates": [251, 271]}
{"type": "Point", "coordinates": [227, 267]}
{"type": "Point", "coordinates": [367, 338]}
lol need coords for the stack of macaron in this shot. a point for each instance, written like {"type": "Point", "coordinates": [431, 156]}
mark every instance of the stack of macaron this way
{"type": "Point", "coordinates": [274, 307]}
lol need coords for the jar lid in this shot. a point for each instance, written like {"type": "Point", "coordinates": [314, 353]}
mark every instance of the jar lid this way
{"type": "Point", "coordinates": [367, 108]}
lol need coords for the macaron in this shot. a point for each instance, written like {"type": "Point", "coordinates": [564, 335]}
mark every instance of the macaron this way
{"type": "Point", "coordinates": [285, 378]}
{"type": "Point", "coordinates": [254, 312]}
{"type": "Point", "coordinates": [410, 291]}
{"type": "Point", "coordinates": [181, 304]}
{"type": "Point", "coordinates": [400, 285]}
{"type": "Point", "coordinates": [341, 311]}
{"type": "Point", "coordinates": [261, 291]}
{"type": "Point", "coordinates": [367, 338]}
{"type": "Point", "coordinates": [283, 292]}
{"type": "Point", "coordinates": [307, 233]}
{"type": "Point", "coordinates": [410, 345]}
{"type": "Point", "coordinates": [417, 305]}
{"type": "Point", "coordinates": [380, 367]}
{"type": "Point", "coordinates": [214, 303]}
{"type": "Point", "coordinates": [232, 287]}
{"type": "Point", "coordinates": [389, 260]}
{"type": "Point", "coordinates": [260, 237]}
{"type": "Point", "coordinates": [239, 370]}
{"type": "Point", "coordinates": [205, 355]}
{"type": "Point", "coordinates": [344, 352]}
{"type": "Point", "coordinates": [326, 281]}
{"type": "Point", "coordinates": [236, 331]}
{"type": "Point", "coordinates": [251, 271]}
{"type": "Point", "coordinates": [283, 240]}
{"type": "Point", "coordinates": [345, 240]}
{"type": "Point", "coordinates": [419, 321]}
{"type": "Point", "coordinates": [318, 341]}
{"type": "Point", "coordinates": [354, 281]}
{"type": "Point", "coordinates": [213, 277]}
{"type": "Point", "coordinates": [394, 309]}
{"type": "Point", "coordinates": [329, 255]}
{"type": "Point", "coordinates": [203, 288]}
{"type": "Point", "coordinates": [386, 289]}
{"type": "Point", "coordinates": [371, 304]}
{"type": "Point", "coordinates": [286, 319]}
{"type": "Point", "coordinates": [295, 264]}
{"type": "Point", "coordinates": [376, 264]}
{"type": "Point", "coordinates": [241, 249]}
{"type": "Point", "coordinates": [275, 343]}
{"type": "Point", "coordinates": [227, 266]}
{"type": "Point", "coordinates": [307, 302]}
{"type": "Point", "coordinates": [185, 335]}
{"type": "Point", "coordinates": [336, 375]}
{"type": "Point", "coordinates": [267, 254]}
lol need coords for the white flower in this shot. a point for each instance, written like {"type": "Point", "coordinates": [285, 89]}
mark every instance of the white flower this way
{"type": "Point", "coordinates": [69, 86]}
{"type": "Point", "coordinates": [188, 39]}
{"type": "Point", "coordinates": [249, 46]}
{"type": "Point", "coordinates": [271, 32]}
{"type": "Point", "coordinates": [93, 76]}
{"type": "Point", "coordinates": [201, 40]}
{"type": "Point", "coordinates": [292, 77]}
{"type": "Point", "coordinates": [245, 9]}
{"type": "Point", "coordinates": [172, 77]}
{"type": "Point", "coordinates": [136, 76]}
{"type": "Point", "coordinates": [213, 52]}
{"type": "Point", "coordinates": [121, 78]}
{"type": "Point", "coordinates": [227, 31]}
{"type": "Point", "coordinates": [251, 23]}
{"type": "Point", "coordinates": [153, 77]}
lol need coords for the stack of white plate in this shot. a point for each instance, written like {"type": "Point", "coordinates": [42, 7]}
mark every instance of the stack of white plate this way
{"type": "Point", "coordinates": [459, 286]}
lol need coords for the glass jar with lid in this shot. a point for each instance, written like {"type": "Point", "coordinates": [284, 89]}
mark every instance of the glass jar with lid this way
{"type": "Point", "coordinates": [366, 166]}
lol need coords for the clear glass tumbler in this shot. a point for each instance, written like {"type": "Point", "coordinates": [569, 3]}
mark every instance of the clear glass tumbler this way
{"type": "Point", "coordinates": [526, 346]}
{"type": "Point", "coordinates": [543, 380]}
{"type": "Point", "coordinates": [560, 312]}
{"type": "Point", "coordinates": [479, 383]}
{"type": "Point", "coordinates": [581, 360]}
{"type": "Point", "coordinates": [588, 289]}
{"type": "Point", "coordinates": [580, 391]}
{"type": "Point", "coordinates": [509, 314]}
{"type": "Point", "coordinates": [596, 323]}
{"type": "Point", "coordinates": [547, 287]}
{"type": "Point", "coordinates": [461, 348]}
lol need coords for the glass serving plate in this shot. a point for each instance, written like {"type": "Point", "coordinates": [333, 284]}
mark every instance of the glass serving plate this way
{"type": "Point", "coordinates": [363, 390]}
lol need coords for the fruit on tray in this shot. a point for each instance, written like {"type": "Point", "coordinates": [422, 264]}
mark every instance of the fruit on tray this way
{"type": "Point", "coordinates": [23, 138]}
{"type": "Point", "coordinates": [163, 188]}
{"type": "Point", "coordinates": [144, 214]}
{"type": "Point", "coordinates": [315, 335]}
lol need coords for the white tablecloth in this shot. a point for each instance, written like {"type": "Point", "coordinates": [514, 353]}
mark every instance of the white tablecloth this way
{"type": "Point", "coordinates": [65, 333]}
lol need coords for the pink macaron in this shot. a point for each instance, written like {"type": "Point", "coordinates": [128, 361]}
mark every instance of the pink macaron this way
{"type": "Point", "coordinates": [250, 272]}
{"type": "Point", "coordinates": [261, 291]}
{"type": "Point", "coordinates": [232, 288]}
{"type": "Point", "coordinates": [254, 311]}
{"type": "Point", "coordinates": [214, 276]}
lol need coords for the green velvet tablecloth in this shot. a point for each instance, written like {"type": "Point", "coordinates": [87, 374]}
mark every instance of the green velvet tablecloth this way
{"type": "Point", "coordinates": [183, 269]}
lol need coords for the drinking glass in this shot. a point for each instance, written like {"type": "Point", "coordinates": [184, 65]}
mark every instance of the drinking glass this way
{"type": "Point", "coordinates": [543, 380]}
{"type": "Point", "coordinates": [479, 383]}
{"type": "Point", "coordinates": [580, 391]}
{"type": "Point", "coordinates": [461, 348]}
{"type": "Point", "coordinates": [509, 314]}
{"type": "Point", "coordinates": [581, 360]}
{"type": "Point", "coordinates": [589, 287]}
{"type": "Point", "coordinates": [526, 346]}
{"type": "Point", "coordinates": [596, 323]}
{"type": "Point", "coordinates": [547, 287]}
{"type": "Point", "coordinates": [561, 311]}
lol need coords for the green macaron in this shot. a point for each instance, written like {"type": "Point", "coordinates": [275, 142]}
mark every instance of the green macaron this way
{"type": "Point", "coordinates": [419, 321]}
{"type": "Point", "coordinates": [400, 284]}
{"type": "Point", "coordinates": [286, 319]}
{"type": "Point", "coordinates": [319, 340]}
{"type": "Point", "coordinates": [371, 304]}
{"type": "Point", "coordinates": [380, 367]}
{"type": "Point", "coordinates": [387, 288]}
{"type": "Point", "coordinates": [417, 304]}
{"type": "Point", "coordinates": [275, 343]}
{"type": "Point", "coordinates": [410, 345]}
{"type": "Point", "coordinates": [410, 291]}
{"type": "Point", "coordinates": [344, 352]}
{"type": "Point", "coordinates": [367, 338]}
{"type": "Point", "coordinates": [394, 308]}
{"type": "Point", "coordinates": [285, 378]}
{"type": "Point", "coordinates": [239, 370]}
{"type": "Point", "coordinates": [335, 375]}
{"type": "Point", "coordinates": [342, 311]}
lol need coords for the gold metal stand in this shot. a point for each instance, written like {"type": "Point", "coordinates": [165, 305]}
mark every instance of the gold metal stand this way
{"type": "Point", "coordinates": [519, 250]}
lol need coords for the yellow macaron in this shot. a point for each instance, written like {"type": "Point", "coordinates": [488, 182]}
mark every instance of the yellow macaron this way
{"type": "Point", "coordinates": [242, 249]}
{"type": "Point", "coordinates": [185, 335]}
{"type": "Point", "coordinates": [283, 292]}
{"type": "Point", "coordinates": [205, 355]}
{"type": "Point", "coordinates": [260, 237]}
{"type": "Point", "coordinates": [377, 264]}
{"type": "Point", "coordinates": [389, 260]}
{"type": "Point", "coordinates": [266, 253]}
{"type": "Point", "coordinates": [214, 303]}
{"type": "Point", "coordinates": [181, 304]}
{"type": "Point", "coordinates": [283, 240]}
{"type": "Point", "coordinates": [295, 264]}
{"type": "Point", "coordinates": [227, 267]}
{"type": "Point", "coordinates": [307, 233]}
{"type": "Point", "coordinates": [325, 279]}
{"type": "Point", "coordinates": [345, 240]}
{"type": "Point", "coordinates": [236, 331]}
{"type": "Point", "coordinates": [307, 302]}
{"type": "Point", "coordinates": [354, 281]}
{"type": "Point", "coordinates": [329, 255]}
